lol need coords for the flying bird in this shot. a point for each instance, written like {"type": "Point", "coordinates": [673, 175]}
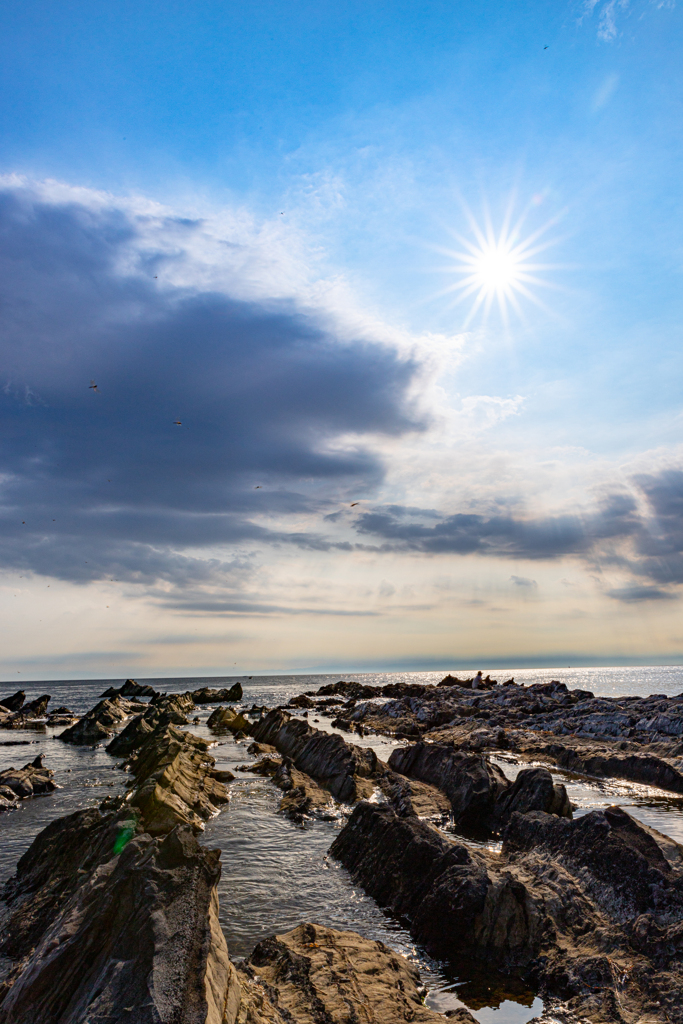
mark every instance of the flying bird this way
{"type": "Point", "coordinates": [93, 386]}
{"type": "Point", "coordinates": [545, 47]}
{"type": "Point", "coordinates": [354, 503]}
{"type": "Point", "coordinates": [177, 423]}
{"type": "Point", "coordinates": [258, 487]}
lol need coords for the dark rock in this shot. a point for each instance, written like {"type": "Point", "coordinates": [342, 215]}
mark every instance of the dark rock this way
{"type": "Point", "coordinates": [131, 689]}
{"type": "Point", "coordinates": [14, 702]}
{"type": "Point", "coordinates": [176, 780]}
{"type": "Point", "coordinates": [342, 768]}
{"type": "Point", "coordinates": [27, 713]}
{"type": "Point", "coordinates": [316, 975]}
{"type": "Point", "coordinates": [173, 710]}
{"type": "Point", "coordinates": [481, 796]}
{"type": "Point", "coordinates": [472, 784]}
{"type": "Point", "coordinates": [533, 790]}
{"type": "Point", "coordinates": [419, 874]}
{"type": "Point", "coordinates": [139, 940]}
{"type": "Point", "coordinates": [590, 910]}
{"type": "Point", "coordinates": [450, 680]}
{"type": "Point", "coordinates": [301, 701]}
{"type": "Point", "coordinates": [303, 797]}
{"type": "Point", "coordinates": [19, 783]}
{"type": "Point", "coordinates": [100, 722]}
{"type": "Point", "coordinates": [208, 696]}
{"type": "Point", "coordinates": [408, 797]}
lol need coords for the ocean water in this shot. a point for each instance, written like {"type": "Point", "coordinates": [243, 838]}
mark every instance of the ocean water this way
{"type": "Point", "coordinates": [276, 873]}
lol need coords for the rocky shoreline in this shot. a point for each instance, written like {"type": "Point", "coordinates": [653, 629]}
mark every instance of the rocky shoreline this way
{"type": "Point", "coordinates": [113, 911]}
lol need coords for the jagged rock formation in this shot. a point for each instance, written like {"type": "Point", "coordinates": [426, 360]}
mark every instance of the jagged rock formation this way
{"type": "Point", "coordinates": [315, 975]}
{"type": "Point", "coordinates": [481, 796]}
{"type": "Point", "coordinates": [20, 783]}
{"type": "Point", "coordinates": [176, 780]}
{"type": "Point", "coordinates": [113, 910]}
{"type": "Point", "coordinates": [208, 696]}
{"type": "Point", "coordinates": [14, 702]}
{"type": "Point", "coordinates": [349, 772]}
{"type": "Point", "coordinates": [588, 910]}
{"type": "Point", "coordinates": [131, 689]}
{"type": "Point", "coordinates": [138, 941]}
{"type": "Point", "coordinates": [225, 718]}
{"type": "Point", "coordinates": [634, 738]}
{"type": "Point", "coordinates": [173, 710]}
{"type": "Point", "coordinates": [344, 769]}
{"type": "Point", "coordinates": [25, 714]}
{"type": "Point", "coordinates": [100, 722]}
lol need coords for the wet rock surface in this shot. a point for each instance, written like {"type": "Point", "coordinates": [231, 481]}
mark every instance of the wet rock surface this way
{"type": "Point", "coordinates": [207, 696]}
{"type": "Point", "coordinates": [174, 710]}
{"type": "Point", "coordinates": [137, 941]}
{"type": "Point", "coordinates": [131, 689]}
{"type": "Point", "coordinates": [21, 783]}
{"type": "Point", "coordinates": [26, 714]}
{"type": "Point", "coordinates": [635, 738]}
{"type": "Point", "coordinates": [113, 913]}
{"type": "Point", "coordinates": [225, 719]}
{"type": "Point", "coordinates": [480, 795]}
{"type": "Point", "coordinates": [588, 910]}
{"type": "Point", "coordinates": [100, 722]}
{"type": "Point", "coordinates": [315, 975]}
{"type": "Point", "coordinates": [345, 770]}
{"type": "Point", "coordinates": [176, 780]}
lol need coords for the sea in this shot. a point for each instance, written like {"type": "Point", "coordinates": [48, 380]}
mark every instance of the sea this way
{"type": "Point", "coordinates": [276, 873]}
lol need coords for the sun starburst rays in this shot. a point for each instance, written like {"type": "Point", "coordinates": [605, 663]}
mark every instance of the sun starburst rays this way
{"type": "Point", "coordinates": [499, 268]}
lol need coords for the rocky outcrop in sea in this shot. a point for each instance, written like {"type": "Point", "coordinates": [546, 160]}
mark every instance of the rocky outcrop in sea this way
{"type": "Point", "coordinates": [113, 910]}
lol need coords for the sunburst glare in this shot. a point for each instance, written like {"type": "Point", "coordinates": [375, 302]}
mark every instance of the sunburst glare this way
{"type": "Point", "coordinates": [499, 268]}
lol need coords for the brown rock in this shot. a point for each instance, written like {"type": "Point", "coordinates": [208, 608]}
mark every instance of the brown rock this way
{"type": "Point", "coordinates": [313, 975]}
{"type": "Point", "coordinates": [100, 722]}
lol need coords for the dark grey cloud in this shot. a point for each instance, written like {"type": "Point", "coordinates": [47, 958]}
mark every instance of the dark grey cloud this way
{"type": "Point", "coordinates": [643, 538]}
{"type": "Point", "coordinates": [103, 483]}
{"type": "Point", "coordinates": [524, 582]}
{"type": "Point", "coordinates": [503, 535]}
{"type": "Point", "coordinates": [203, 605]}
{"type": "Point", "coordinates": [636, 594]}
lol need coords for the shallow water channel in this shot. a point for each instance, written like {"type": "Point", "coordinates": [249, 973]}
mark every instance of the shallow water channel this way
{"type": "Point", "coordinates": [276, 873]}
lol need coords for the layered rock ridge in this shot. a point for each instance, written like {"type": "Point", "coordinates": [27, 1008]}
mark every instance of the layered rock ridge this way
{"type": "Point", "coordinates": [113, 910]}
{"type": "Point", "coordinates": [589, 911]}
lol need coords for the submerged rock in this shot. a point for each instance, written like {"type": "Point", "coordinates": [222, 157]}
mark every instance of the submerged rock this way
{"type": "Point", "coordinates": [316, 975]}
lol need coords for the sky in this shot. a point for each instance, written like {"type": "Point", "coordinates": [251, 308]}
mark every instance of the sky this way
{"type": "Point", "coordinates": [339, 336]}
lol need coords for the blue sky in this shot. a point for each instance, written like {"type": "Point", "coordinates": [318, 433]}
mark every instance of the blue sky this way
{"type": "Point", "coordinates": [250, 219]}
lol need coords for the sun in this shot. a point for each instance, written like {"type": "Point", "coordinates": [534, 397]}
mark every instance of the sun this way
{"type": "Point", "coordinates": [500, 267]}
